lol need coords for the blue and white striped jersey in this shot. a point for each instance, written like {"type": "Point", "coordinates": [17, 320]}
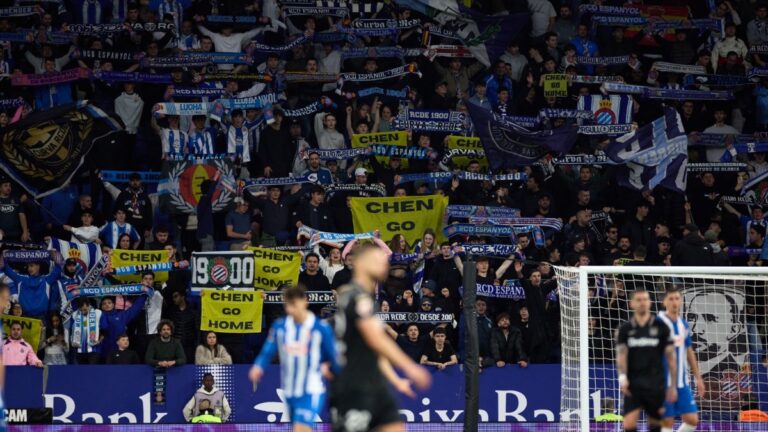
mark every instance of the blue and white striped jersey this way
{"type": "Point", "coordinates": [303, 348]}
{"type": "Point", "coordinates": [681, 338]}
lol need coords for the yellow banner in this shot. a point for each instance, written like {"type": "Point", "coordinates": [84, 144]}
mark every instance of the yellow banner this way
{"type": "Point", "coordinates": [456, 142]}
{"type": "Point", "coordinates": [555, 85]}
{"type": "Point", "coordinates": [408, 216]}
{"type": "Point", "coordinates": [130, 257]}
{"type": "Point", "coordinates": [226, 311]}
{"type": "Point", "coordinates": [30, 329]}
{"type": "Point", "coordinates": [398, 138]}
{"type": "Point", "coordinates": [275, 268]}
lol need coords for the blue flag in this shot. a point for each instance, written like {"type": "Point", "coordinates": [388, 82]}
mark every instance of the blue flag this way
{"type": "Point", "coordinates": [655, 154]}
{"type": "Point", "coordinates": [508, 144]}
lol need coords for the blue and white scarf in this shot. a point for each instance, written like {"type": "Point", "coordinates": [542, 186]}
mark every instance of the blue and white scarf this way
{"type": "Point", "coordinates": [615, 60]}
{"type": "Point", "coordinates": [383, 75]}
{"type": "Point", "coordinates": [380, 27]}
{"type": "Point", "coordinates": [280, 181]}
{"type": "Point", "coordinates": [478, 230]}
{"type": "Point", "coordinates": [27, 255]}
{"type": "Point", "coordinates": [512, 290]}
{"type": "Point", "coordinates": [527, 222]}
{"type": "Point", "coordinates": [565, 113]}
{"type": "Point", "coordinates": [582, 159]}
{"type": "Point", "coordinates": [262, 48]}
{"type": "Point", "coordinates": [606, 129]}
{"type": "Point", "coordinates": [386, 92]}
{"type": "Point", "coordinates": [442, 177]}
{"type": "Point", "coordinates": [372, 52]}
{"type": "Point", "coordinates": [659, 93]}
{"type": "Point", "coordinates": [466, 211]}
{"type": "Point", "coordinates": [488, 250]}
{"type": "Point", "coordinates": [195, 92]}
{"type": "Point", "coordinates": [358, 189]}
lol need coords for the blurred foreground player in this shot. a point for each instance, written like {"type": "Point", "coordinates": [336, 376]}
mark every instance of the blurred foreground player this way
{"type": "Point", "coordinates": [360, 398]}
{"type": "Point", "coordinates": [304, 343]}
{"type": "Point", "coordinates": [643, 343]}
{"type": "Point", "coordinates": [685, 357]}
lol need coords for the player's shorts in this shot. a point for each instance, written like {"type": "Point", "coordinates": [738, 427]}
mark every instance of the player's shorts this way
{"type": "Point", "coordinates": [650, 401]}
{"type": "Point", "coordinates": [685, 404]}
{"type": "Point", "coordinates": [305, 409]}
{"type": "Point", "coordinates": [361, 411]}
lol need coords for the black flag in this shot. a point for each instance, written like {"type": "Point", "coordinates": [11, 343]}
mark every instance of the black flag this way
{"type": "Point", "coordinates": [43, 151]}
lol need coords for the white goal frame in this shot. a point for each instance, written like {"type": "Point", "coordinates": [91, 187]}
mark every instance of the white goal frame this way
{"type": "Point", "coordinates": [585, 272]}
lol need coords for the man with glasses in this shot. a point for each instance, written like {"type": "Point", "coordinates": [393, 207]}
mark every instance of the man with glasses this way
{"type": "Point", "coordinates": [610, 245]}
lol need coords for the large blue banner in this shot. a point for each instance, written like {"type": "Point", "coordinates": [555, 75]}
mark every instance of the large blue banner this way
{"type": "Point", "coordinates": [124, 394]}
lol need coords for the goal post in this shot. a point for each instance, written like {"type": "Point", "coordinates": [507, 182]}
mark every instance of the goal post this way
{"type": "Point", "coordinates": [726, 311]}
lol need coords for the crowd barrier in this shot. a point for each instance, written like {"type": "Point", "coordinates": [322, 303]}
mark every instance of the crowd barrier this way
{"type": "Point", "coordinates": [102, 394]}
{"type": "Point", "coordinates": [124, 394]}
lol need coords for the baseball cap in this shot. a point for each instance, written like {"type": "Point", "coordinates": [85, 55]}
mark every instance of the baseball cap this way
{"type": "Point", "coordinates": [429, 284]}
{"type": "Point", "coordinates": [361, 172]}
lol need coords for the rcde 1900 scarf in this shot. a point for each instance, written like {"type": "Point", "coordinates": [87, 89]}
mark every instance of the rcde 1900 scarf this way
{"type": "Point", "coordinates": [442, 177]}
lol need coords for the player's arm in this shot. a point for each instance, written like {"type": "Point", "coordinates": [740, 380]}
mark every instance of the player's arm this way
{"type": "Point", "coordinates": [265, 356]}
{"type": "Point", "coordinates": [373, 333]}
{"type": "Point", "coordinates": [694, 365]}
{"type": "Point", "coordinates": [621, 368]}
{"type": "Point", "coordinates": [671, 357]}
{"type": "Point", "coordinates": [402, 385]}
{"type": "Point", "coordinates": [621, 359]}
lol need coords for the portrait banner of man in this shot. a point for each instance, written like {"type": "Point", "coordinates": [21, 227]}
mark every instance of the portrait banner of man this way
{"type": "Point", "coordinates": [716, 315]}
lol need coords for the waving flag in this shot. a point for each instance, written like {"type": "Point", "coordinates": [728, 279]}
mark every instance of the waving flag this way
{"type": "Point", "coordinates": [485, 36]}
{"type": "Point", "coordinates": [655, 154]}
{"type": "Point", "coordinates": [86, 254]}
{"type": "Point", "coordinates": [43, 151]}
{"type": "Point", "coordinates": [507, 144]}
{"type": "Point", "coordinates": [608, 110]}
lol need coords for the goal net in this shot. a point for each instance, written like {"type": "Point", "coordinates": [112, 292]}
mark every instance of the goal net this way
{"type": "Point", "coordinates": [726, 312]}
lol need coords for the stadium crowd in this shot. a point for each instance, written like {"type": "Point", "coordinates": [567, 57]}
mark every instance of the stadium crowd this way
{"type": "Point", "coordinates": [604, 222]}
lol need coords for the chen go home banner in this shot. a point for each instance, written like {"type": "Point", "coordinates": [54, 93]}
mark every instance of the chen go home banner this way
{"type": "Point", "coordinates": [396, 138]}
{"type": "Point", "coordinates": [130, 257]}
{"type": "Point", "coordinates": [408, 216]}
{"type": "Point", "coordinates": [275, 268]}
{"type": "Point", "coordinates": [226, 311]}
{"type": "Point", "coordinates": [231, 269]}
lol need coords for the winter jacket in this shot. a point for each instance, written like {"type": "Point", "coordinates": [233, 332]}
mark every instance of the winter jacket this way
{"type": "Point", "coordinates": [204, 356]}
{"type": "Point", "coordinates": [507, 349]}
{"type": "Point", "coordinates": [692, 251]}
